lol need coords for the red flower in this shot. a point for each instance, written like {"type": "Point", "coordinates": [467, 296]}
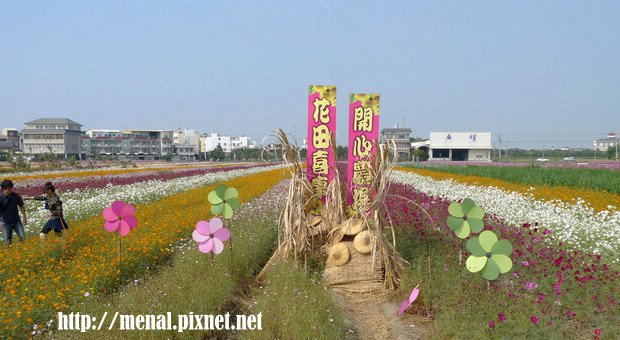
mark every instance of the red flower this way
{"type": "Point", "coordinates": [535, 320]}
{"type": "Point", "coordinates": [598, 331]}
{"type": "Point", "coordinates": [491, 324]}
{"type": "Point", "coordinates": [502, 317]}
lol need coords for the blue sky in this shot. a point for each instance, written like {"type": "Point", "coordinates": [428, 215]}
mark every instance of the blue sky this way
{"type": "Point", "coordinates": [529, 69]}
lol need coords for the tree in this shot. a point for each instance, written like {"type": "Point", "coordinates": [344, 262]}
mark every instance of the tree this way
{"type": "Point", "coordinates": [342, 153]}
{"type": "Point", "coordinates": [18, 162]}
{"type": "Point", "coordinates": [50, 159]}
{"type": "Point", "coordinates": [73, 163]}
{"type": "Point", "coordinates": [420, 154]}
{"type": "Point", "coordinates": [217, 153]}
{"type": "Point", "coordinates": [168, 156]}
{"type": "Point", "coordinates": [611, 152]}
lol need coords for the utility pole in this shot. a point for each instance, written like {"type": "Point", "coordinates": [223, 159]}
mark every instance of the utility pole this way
{"type": "Point", "coordinates": [499, 140]}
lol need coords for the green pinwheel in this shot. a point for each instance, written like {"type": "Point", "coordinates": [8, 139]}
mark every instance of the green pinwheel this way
{"type": "Point", "coordinates": [224, 201]}
{"type": "Point", "coordinates": [465, 218]}
{"type": "Point", "coordinates": [489, 255]}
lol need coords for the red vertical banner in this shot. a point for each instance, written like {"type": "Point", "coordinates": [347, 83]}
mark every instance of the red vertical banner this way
{"type": "Point", "coordinates": [363, 143]}
{"type": "Point", "coordinates": [321, 126]}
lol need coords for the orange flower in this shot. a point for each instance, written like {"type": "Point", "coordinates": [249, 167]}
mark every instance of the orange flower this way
{"type": "Point", "coordinates": [598, 200]}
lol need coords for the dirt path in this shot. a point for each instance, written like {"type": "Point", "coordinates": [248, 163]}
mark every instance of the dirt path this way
{"type": "Point", "coordinates": [373, 316]}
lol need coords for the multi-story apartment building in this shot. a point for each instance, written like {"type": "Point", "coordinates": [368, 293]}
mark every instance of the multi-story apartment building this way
{"type": "Point", "coordinates": [61, 136]}
{"type": "Point", "coordinates": [186, 144]}
{"type": "Point", "coordinates": [401, 139]}
{"type": "Point", "coordinates": [228, 143]}
{"type": "Point", "coordinates": [129, 144]}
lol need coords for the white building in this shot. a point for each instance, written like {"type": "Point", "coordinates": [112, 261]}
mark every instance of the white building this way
{"type": "Point", "coordinates": [61, 136]}
{"type": "Point", "coordinates": [228, 143]}
{"type": "Point", "coordinates": [186, 144]}
{"type": "Point", "coordinates": [460, 146]}
{"type": "Point", "coordinates": [605, 143]}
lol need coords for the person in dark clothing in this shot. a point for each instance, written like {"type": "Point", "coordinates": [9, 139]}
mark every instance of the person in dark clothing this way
{"type": "Point", "coordinates": [10, 205]}
{"type": "Point", "coordinates": [56, 221]}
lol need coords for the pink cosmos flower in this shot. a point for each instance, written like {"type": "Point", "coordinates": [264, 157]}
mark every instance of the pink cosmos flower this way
{"type": "Point", "coordinates": [598, 331]}
{"type": "Point", "coordinates": [534, 319]}
{"type": "Point", "coordinates": [120, 217]}
{"type": "Point", "coordinates": [530, 285]}
{"type": "Point", "coordinates": [412, 297]}
{"type": "Point", "coordinates": [211, 235]}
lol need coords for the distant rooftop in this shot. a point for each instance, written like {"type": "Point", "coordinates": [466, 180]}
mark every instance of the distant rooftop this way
{"type": "Point", "coordinates": [396, 129]}
{"type": "Point", "coordinates": [55, 121]}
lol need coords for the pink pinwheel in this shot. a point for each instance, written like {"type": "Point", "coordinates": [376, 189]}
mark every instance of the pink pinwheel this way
{"type": "Point", "coordinates": [120, 217]}
{"type": "Point", "coordinates": [405, 305]}
{"type": "Point", "coordinates": [211, 235]}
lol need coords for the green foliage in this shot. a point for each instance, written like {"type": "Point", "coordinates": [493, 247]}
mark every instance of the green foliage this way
{"type": "Point", "coordinates": [217, 154]}
{"type": "Point", "coordinates": [295, 305]}
{"type": "Point", "coordinates": [126, 164]}
{"type": "Point", "coordinates": [552, 154]}
{"type": "Point", "coordinates": [596, 179]}
{"type": "Point", "coordinates": [49, 160]}
{"type": "Point", "coordinates": [420, 154]}
{"type": "Point", "coordinates": [248, 154]}
{"type": "Point", "coordinates": [303, 153]}
{"type": "Point", "coordinates": [462, 304]}
{"type": "Point", "coordinates": [71, 162]}
{"type": "Point", "coordinates": [168, 157]}
{"type": "Point", "coordinates": [611, 153]}
{"type": "Point", "coordinates": [18, 162]}
{"type": "Point", "coordinates": [191, 283]}
{"type": "Point", "coordinates": [342, 153]}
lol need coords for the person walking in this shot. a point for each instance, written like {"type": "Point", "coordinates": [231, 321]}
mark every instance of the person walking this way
{"type": "Point", "coordinates": [56, 220]}
{"type": "Point", "coordinates": [10, 205]}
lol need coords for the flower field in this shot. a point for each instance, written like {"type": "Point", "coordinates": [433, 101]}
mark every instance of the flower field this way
{"type": "Point", "coordinates": [40, 278]}
{"type": "Point", "coordinates": [564, 280]}
{"type": "Point", "coordinates": [83, 197]}
{"type": "Point", "coordinates": [594, 178]}
{"type": "Point", "coordinates": [574, 222]}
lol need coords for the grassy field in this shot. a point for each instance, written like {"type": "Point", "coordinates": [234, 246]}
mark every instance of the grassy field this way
{"type": "Point", "coordinates": [551, 292]}
{"type": "Point", "coordinates": [295, 305]}
{"type": "Point", "coordinates": [193, 282]}
{"type": "Point", "coordinates": [596, 179]}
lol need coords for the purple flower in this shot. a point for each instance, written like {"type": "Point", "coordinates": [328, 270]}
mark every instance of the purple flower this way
{"type": "Point", "coordinates": [534, 319]}
{"type": "Point", "coordinates": [502, 317]}
{"type": "Point", "coordinates": [491, 324]}
{"type": "Point", "coordinates": [530, 285]}
{"type": "Point", "coordinates": [525, 264]}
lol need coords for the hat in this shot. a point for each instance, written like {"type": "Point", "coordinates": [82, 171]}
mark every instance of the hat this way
{"type": "Point", "coordinates": [363, 242]}
{"type": "Point", "coordinates": [352, 227]}
{"type": "Point", "coordinates": [315, 220]}
{"type": "Point", "coordinates": [336, 236]}
{"type": "Point", "coordinates": [338, 255]}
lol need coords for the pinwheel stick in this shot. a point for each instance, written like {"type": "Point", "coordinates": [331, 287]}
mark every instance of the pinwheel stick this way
{"type": "Point", "coordinates": [430, 273]}
{"type": "Point", "coordinates": [230, 241]}
{"type": "Point", "coordinates": [461, 252]}
{"type": "Point", "coordinates": [120, 250]}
